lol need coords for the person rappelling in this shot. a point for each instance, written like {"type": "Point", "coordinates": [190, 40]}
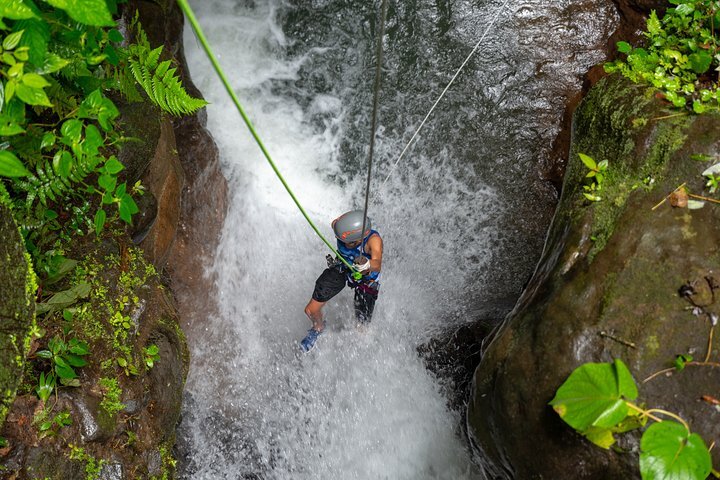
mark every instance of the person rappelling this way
{"type": "Point", "coordinates": [362, 249]}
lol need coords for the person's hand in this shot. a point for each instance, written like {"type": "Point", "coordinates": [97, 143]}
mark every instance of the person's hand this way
{"type": "Point", "coordinates": [362, 264]}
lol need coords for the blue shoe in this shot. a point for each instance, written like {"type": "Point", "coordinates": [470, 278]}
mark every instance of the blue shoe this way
{"type": "Point", "coordinates": [308, 342]}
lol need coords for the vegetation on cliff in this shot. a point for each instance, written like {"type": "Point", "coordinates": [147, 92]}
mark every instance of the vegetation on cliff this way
{"type": "Point", "coordinates": [65, 72]}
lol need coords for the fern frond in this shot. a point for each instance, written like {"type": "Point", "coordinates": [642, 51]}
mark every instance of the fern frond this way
{"type": "Point", "coordinates": [160, 82]}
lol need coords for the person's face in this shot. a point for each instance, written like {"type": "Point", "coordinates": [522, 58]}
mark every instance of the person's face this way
{"type": "Point", "coordinates": [352, 244]}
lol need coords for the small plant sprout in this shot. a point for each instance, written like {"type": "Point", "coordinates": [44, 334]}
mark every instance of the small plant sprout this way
{"type": "Point", "coordinates": [596, 177]}
{"type": "Point", "coordinates": [45, 387]}
{"type": "Point", "coordinates": [152, 355]}
{"type": "Point", "coordinates": [65, 357]}
{"type": "Point", "coordinates": [713, 177]}
{"type": "Point", "coordinates": [49, 428]}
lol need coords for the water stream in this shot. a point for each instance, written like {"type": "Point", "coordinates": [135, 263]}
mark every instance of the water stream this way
{"type": "Point", "coordinates": [463, 220]}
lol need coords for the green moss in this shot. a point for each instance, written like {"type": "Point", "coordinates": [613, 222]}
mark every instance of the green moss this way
{"type": "Point", "coordinates": [111, 396]}
{"type": "Point", "coordinates": [612, 124]}
{"type": "Point", "coordinates": [106, 316]}
{"type": "Point", "coordinates": [17, 309]}
{"type": "Point", "coordinates": [92, 465]}
{"type": "Point", "coordinates": [168, 463]}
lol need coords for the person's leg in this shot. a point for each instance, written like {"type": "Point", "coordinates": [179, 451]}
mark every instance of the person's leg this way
{"type": "Point", "coordinates": [364, 304]}
{"type": "Point", "coordinates": [313, 310]}
{"type": "Point", "coordinates": [328, 284]}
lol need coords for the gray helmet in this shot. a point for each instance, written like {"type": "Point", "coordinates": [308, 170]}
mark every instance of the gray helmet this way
{"type": "Point", "coordinates": [347, 226]}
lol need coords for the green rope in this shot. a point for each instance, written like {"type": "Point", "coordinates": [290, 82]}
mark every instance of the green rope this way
{"type": "Point", "coordinates": [201, 36]}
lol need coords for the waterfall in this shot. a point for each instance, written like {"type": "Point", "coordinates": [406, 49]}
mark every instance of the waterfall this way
{"type": "Point", "coordinates": [454, 217]}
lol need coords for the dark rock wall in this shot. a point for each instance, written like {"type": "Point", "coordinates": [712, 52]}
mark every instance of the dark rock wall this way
{"type": "Point", "coordinates": [607, 287]}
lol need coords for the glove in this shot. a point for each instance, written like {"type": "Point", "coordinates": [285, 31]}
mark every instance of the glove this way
{"type": "Point", "coordinates": [331, 262]}
{"type": "Point", "coordinates": [362, 264]}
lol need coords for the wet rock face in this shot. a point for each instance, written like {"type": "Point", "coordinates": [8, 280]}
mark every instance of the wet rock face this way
{"type": "Point", "coordinates": [17, 309]}
{"type": "Point", "coordinates": [617, 280]}
{"type": "Point", "coordinates": [126, 436]}
{"type": "Point", "coordinates": [195, 213]}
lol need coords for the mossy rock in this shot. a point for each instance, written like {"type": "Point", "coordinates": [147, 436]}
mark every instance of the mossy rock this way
{"type": "Point", "coordinates": [17, 308]}
{"type": "Point", "coordinates": [607, 287]}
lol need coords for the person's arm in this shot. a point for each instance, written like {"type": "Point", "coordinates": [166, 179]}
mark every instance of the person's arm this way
{"type": "Point", "coordinates": [374, 247]}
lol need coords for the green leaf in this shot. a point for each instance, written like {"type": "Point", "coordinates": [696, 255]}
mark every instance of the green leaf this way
{"type": "Point", "coordinates": [125, 207]}
{"type": "Point", "coordinates": [53, 63]}
{"type": "Point", "coordinates": [698, 107]}
{"type": "Point", "coordinates": [122, 362]}
{"type": "Point", "coordinates": [79, 348]}
{"type": "Point", "coordinates": [63, 163]}
{"type": "Point", "coordinates": [113, 166]}
{"type": "Point", "coordinates": [89, 12]}
{"type": "Point", "coordinates": [67, 266]}
{"type": "Point", "coordinates": [700, 62]}
{"type": "Point", "coordinates": [70, 382]}
{"type": "Point", "coordinates": [588, 161]}
{"type": "Point", "coordinates": [75, 360]}
{"type": "Point", "coordinates": [34, 80]}
{"type": "Point", "coordinates": [107, 182]}
{"type": "Point", "coordinates": [100, 218]}
{"type": "Point", "coordinates": [32, 95]}
{"type": "Point", "coordinates": [36, 37]}
{"type": "Point", "coordinates": [624, 47]}
{"type": "Point", "coordinates": [10, 166]}
{"type": "Point", "coordinates": [64, 299]}
{"type": "Point", "coordinates": [115, 36]}
{"type": "Point", "coordinates": [685, 9]}
{"type": "Point", "coordinates": [72, 130]}
{"type": "Point", "coordinates": [653, 24]}
{"type": "Point", "coordinates": [48, 140]}
{"type": "Point", "coordinates": [93, 140]}
{"type": "Point", "coordinates": [12, 40]}
{"type": "Point", "coordinates": [44, 354]}
{"type": "Point", "coordinates": [602, 437]}
{"type": "Point", "coordinates": [670, 452]}
{"type": "Point", "coordinates": [15, 10]}
{"type": "Point", "coordinates": [594, 395]}
{"type": "Point", "coordinates": [63, 370]}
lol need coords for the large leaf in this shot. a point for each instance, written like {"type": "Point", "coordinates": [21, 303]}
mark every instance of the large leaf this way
{"type": "Point", "coordinates": [89, 12]}
{"type": "Point", "coordinates": [10, 166]}
{"type": "Point", "coordinates": [36, 36]}
{"type": "Point", "coordinates": [594, 395]}
{"type": "Point", "coordinates": [670, 452]}
{"type": "Point", "coordinates": [700, 62]}
{"type": "Point", "coordinates": [15, 10]}
{"type": "Point", "coordinates": [32, 95]}
{"type": "Point", "coordinates": [64, 299]}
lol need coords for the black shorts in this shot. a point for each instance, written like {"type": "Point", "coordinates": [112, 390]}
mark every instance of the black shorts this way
{"type": "Point", "coordinates": [333, 280]}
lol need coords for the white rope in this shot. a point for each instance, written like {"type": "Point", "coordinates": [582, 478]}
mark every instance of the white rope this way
{"type": "Point", "coordinates": [422, 124]}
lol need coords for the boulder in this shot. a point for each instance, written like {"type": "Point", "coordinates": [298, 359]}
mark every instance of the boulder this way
{"type": "Point", "coordinates": [628, 277]}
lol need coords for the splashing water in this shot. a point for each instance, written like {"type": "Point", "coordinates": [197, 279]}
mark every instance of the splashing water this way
{"type": "Point", "coordinates": [362, 404]}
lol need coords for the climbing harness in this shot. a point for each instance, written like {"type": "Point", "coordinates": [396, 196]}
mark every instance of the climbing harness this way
{"type": "Point", "coordinates": [452, 80]}
{"type": "Point", "coordinates": [376, 96]}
